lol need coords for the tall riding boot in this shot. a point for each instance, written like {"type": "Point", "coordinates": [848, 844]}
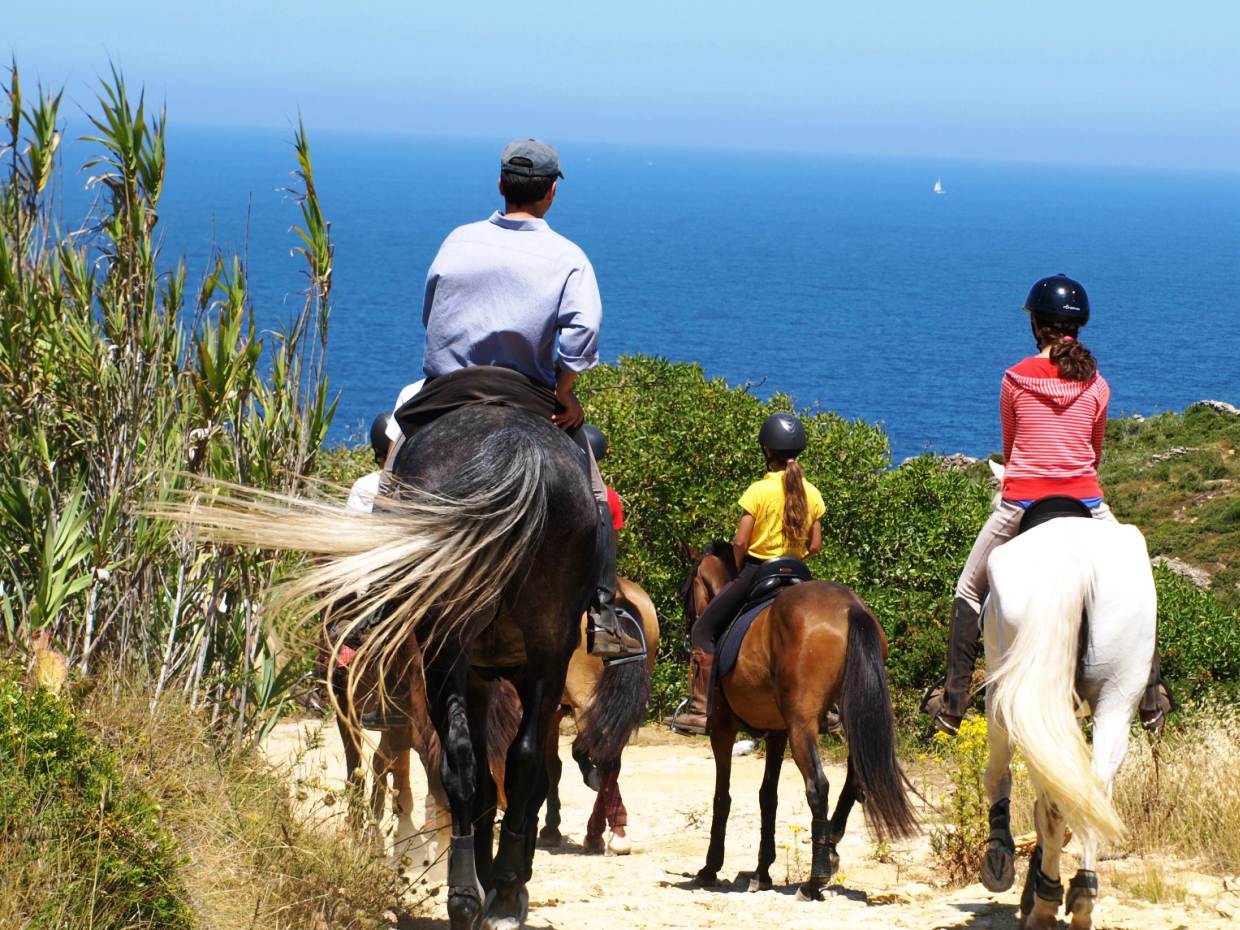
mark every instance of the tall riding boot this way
{"type": "Point", "coordinates": [393, 712]}
{"type": "Point", "coordinates": [693, 718]}
{"type": "Point", "coordinates": [948, 699]}
{"type": "Point", "coordinates": [1157, 701]}
{"type": "Point", "coordinates": [612, 633]}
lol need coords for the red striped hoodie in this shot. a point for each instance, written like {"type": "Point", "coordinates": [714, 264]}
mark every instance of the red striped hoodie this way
{"type": "Point", "coordinates": [1052, 432]}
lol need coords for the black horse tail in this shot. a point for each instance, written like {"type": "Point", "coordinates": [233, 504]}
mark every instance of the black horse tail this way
{"type": "Point", "coordinates": [865, 711]}
{"type": "Point", "coordinates": [616, 709]}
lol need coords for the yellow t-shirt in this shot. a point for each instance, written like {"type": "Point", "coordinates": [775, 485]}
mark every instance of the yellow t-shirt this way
{"type": "Point", "coordinates": [764, 501]}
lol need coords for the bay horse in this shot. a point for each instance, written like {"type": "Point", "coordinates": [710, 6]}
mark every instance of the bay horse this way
{"type": "Point", "coordinates": [815, 645]}
{"type": "Point", "coordinates": [584, 673]}
{"type": "Point", "coordinates": [1070, 623]}
{"type": "Point", "coordinates": [491, 512]}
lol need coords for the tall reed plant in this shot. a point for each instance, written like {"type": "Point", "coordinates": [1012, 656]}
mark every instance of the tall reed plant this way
{"type": "Point", "coordinates": [123, 382]}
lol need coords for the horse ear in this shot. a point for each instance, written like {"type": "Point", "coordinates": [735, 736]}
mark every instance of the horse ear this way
{"type": "Point", "coordinates": [996, 469]}
{"type": "Point", "coordinates": [689, 554]}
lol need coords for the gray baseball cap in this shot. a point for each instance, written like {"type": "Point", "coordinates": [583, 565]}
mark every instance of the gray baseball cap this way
{"type": "Point", "coordinates": [531, 158]}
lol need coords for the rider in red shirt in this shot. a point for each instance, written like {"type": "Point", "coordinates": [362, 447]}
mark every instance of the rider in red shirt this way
{"type": "Point", "coordinates": [1054, 411]}
{"type": "Point", "coordinates": [598, 445]}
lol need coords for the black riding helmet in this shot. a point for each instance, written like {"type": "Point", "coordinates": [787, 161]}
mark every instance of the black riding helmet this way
{"type": "Point", "coordinates": [783, 434]}
{"type": "Point", "coordinates": [596, 439]}
{"type": "Point", "coordinates": [379, 441]}
{"type": "Point", "coordinates": [1058, 299]}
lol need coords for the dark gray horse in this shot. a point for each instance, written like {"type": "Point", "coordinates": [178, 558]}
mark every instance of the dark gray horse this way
{"type": "Point", "coordinates": [491, 520]}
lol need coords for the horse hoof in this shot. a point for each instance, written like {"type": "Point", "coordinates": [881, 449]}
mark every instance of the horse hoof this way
{"type": "Point", "coordinates": [593, 846]}
{"type": "Point", "coordinates": [998, 869]}
{"type": "Point", "coordinates": [593, 780]}
{"type": "Point", "coordinates": [810, 893]}
{"type": "Point", "coordinates": [1082, 893]}
{"type": "Point", "coordinates": [463, 910]}
{"type": "Point", "coordinates": [550, 838]}
{"type": "Point", "coordinates": [619, 845]}
{"type": "Point", "coordinates": [758, 883]}
{"type": "Point", "coordinates": [706, 878]}
{"type": "Point", "coordinates": [505, 921]}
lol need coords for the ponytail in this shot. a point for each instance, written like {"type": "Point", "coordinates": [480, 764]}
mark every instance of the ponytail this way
{"type": "Point", "coordinates": [796, 507]}
{"type": "Point", "coordinates": [1071, 359]}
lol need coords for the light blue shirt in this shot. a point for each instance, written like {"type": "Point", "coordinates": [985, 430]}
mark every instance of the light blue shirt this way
{"type": "Point", "coordinates": [512, 293]}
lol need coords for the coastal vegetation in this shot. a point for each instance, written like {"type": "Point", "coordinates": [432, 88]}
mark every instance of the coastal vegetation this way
{"type": "Point", "coordinates": [127, 377]}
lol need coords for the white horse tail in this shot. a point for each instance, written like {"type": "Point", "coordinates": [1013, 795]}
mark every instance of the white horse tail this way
{"type": "Point", "coordinates": [1032, 691]}
{"type": "Point", "coordinates": [430, 561]}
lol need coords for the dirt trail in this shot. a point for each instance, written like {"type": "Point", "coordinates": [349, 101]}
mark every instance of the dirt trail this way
{"type": "Point", "coordinates": [667, 783]}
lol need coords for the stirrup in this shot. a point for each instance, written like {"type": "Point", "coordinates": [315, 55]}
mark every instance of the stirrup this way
{"type": "Point", "coordinates": [674, 721]}
{"type": "Point", "coordinates": [390, 716]}
{"type": "Point", "coordinates": [598, 634]}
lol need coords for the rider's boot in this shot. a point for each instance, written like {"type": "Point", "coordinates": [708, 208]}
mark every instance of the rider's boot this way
{"type": "Point", "coordinates": [392, 713]}
{"type": "Point", "coordinates": [612, 632]}
{"type": "Point", "coordinates": [693, 718]}
{"type": "Point", "coordinates": [947, 699]}
{"type": "Point", "coordinates": [1157, 701]}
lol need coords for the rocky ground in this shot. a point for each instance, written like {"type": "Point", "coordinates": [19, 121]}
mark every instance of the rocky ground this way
{"type": "Point", "coordinates": [667, 783]}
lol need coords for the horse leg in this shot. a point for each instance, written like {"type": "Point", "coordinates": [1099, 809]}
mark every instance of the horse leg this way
{"type": "Point", "coordinates": [594, 843]}
{"type": "Point", "coordinates": [380, 766]}
{"type": "Point", "coordinates": [446, 686]}
{"type": "Point", "coordinates": [768, 799]}
{"type": "Point", "coordinates": [1043, 894]}
{"type": "Point", "coordinates": [355, 777]}
{"type": "Point", "coordinates": [526, 786]}
{"type": "Point", "coordinates": [486, 798]}
{"type": "Point", "coordinates": [722, 736]}
{"type": "Point", "coordinates": [803, 737]}
{"type": "Point", "coordinates": [617, 816]}
{"type": "Point", "coordinates": [999, 861]}
{"type": "Point", "coordinates": [402, 803]}
{"type": "Point", "coordinates": [849, 795]}
{"type": "Point", "coordinates": [550, 835]}
{"type": "Point", "coordinates": [1110, 747]}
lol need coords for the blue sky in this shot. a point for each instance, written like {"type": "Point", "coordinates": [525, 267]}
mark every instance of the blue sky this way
{"type": "Point", "coordinates": [1132, 83]}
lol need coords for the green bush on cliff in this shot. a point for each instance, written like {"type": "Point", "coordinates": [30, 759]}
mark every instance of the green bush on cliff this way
{"type": "Point", "coordinates": [684, 448]}
{"type": "Point", "coordinates": [79, 845]}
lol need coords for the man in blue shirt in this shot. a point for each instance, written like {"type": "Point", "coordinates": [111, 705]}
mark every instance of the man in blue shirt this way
{"type": "Point", "coordinates": [511, 293]}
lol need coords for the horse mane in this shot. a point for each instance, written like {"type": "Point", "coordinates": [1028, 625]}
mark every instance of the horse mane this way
{"type": "Point", "coordinates": [723, 552]}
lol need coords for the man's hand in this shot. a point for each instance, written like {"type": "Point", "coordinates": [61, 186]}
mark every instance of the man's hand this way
{"type": "Point", "coordinates": [573, 416]}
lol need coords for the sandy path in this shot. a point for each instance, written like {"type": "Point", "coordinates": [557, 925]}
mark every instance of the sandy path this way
{"type": "Point", "coordinates": [667, 782]}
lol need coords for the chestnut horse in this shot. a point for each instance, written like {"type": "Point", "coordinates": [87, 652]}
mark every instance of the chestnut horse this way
{"type": "Point", "coordinates": [815, 645]}
{"type": "Point", "coordinates": [584, 671]}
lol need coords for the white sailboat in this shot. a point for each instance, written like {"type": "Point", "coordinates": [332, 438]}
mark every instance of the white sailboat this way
{"type": "Point", "coordinates": [938, 185]}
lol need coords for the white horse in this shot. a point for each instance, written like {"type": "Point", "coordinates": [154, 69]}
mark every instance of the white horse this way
{"type": "Point", "coordinates": [1042, 583]}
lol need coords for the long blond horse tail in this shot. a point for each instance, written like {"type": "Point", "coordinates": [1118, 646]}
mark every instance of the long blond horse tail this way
{"type": "Point", "coordinates": [430, 562]}
{"type": "Point", "coordinates": [1032, 691]}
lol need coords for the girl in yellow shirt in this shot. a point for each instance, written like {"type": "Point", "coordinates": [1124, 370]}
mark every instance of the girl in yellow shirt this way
{"type": "Point", "coordinates": [781, 516]}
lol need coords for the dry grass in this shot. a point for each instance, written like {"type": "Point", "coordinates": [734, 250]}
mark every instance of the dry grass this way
{"type": "Point", "coordinates": [251, 858]}
{"type": "Point", "coordinates": [1182, 796]}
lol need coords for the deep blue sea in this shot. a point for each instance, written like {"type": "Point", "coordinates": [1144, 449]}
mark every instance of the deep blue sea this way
{"type": "Point", "coordinates": [843, 281]}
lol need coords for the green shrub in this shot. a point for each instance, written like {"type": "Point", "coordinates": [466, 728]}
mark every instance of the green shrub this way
{"type": "Point", "coordinates": [1199, 639]}
{"type": "Point", "coordinates": [80, 846]}
{"type": "Point", "coordinates": [683, 448]}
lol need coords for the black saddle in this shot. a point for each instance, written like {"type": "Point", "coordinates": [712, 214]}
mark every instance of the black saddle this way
{"type": "Point", "coordinates": [1052, 508]}
{"type": "Point", "coordinates": [773, 575]}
